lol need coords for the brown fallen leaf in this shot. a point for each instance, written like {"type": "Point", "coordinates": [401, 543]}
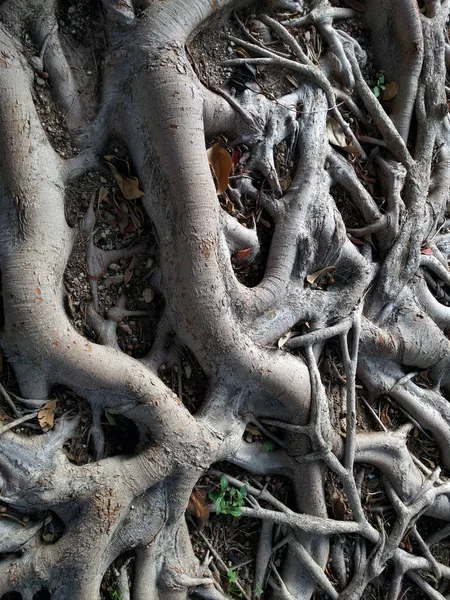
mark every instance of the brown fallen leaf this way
{"type": "Point", "coordinates": [46, 416]}
{"type": "Point", "coordinates": [339, 507]}
{"type": "Point", "coordinates": [336, 137]}
{"type": "Point", "coordinates": [198, 507]}
{"type": "Point", "coordinates": [240, 254]}
{"type": "Point", "coordinates": [391, 89]}
{"type": "Point", "coordinates": [312, 277]}
{"type": "Point", "coordinates": [222, 166]}
{"type": "Point", "coordinates": [129, 185]}
{"type": "Point", "coordinates": [130, 270]}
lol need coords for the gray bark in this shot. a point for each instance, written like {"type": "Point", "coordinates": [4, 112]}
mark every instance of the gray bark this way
{"type": "Point", "coordinates": [383, 314]}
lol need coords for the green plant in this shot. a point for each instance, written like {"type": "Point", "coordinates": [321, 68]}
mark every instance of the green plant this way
{"type": "Point", "coordinates": [268, 446]}
{"type": "Point", "coordinates": [379, 86]}
{"type": "Point", "coordinates": [232, 587]}
{"type": "Point", "coordinates": [115, 594]}
{"type": "Point", "coordinates": [229, 500]}
{"type": "Point", "coordinates": [258, 589]}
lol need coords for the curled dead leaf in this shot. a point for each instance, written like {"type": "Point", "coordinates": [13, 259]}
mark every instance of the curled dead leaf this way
{"type": "Point", "coordinates": [284, 338]}
{"type": "Point", "coordinates": [129, 185]}
{"type": "Point", "coordinates": [241, 254]}
{"type": "Point", "coordinates": [391, 89]}
{"type": "Point", "coordinates": [46, 416]}
{"type": "Point", "coordinates": [336, 137]}
{"type": "Point", "coordinates": [198, 507]}
{"type": "Point", "coordinates": [312, 277]}
{"type": "Point", "coordinates": [222, 166]}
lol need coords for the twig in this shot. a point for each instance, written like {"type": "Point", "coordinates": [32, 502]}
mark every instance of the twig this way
{"type": "Point", "coordinates": [222, 564]}
{"type": "Point", "coordinates": [17, 422]}
{"type": "Point", "coordinates": [8, 400]}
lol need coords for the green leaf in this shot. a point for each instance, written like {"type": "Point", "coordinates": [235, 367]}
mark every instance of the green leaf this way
{"type": "Point", "coordinates": [232, 491]}
{"type": "Point", "coordinates": [223, 483]}
{"type": "Point", "coordinates": [236, 511]}
{"type": "Point", "coordinates": [111, 420]}
{"type": "Point", "coordinates": [380, 79]}
{"type": "Point", "coordinates": [244, 490]}
{"type": "Point", "coordinates": [232, 576]}
{"type": "Point", "coordinates": [214, 494]}
{"type": "Point", "coordinates": [376, 91]}
{"type": "Point", "coordinates": [259, 589]}
{"type": "Point", "coordinates": [221, 506]}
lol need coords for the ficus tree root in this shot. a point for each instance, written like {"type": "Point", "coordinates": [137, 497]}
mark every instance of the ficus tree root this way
{"type": "Point", "coordinates": [385, 313]}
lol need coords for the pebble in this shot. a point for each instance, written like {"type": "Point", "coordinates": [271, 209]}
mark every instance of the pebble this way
{"type": "Point", "coordinates": [89, 73]}
{"type": "Point", "coordinates": [40, 81]}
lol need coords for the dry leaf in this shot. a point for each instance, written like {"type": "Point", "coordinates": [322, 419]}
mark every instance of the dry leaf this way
{"type": "Point", "coordinates": [339, 507]}
{"type": "Point", "coordinates": [102, 194]}
{"type": "Point", "coordinates": [336, 136]}
{"type": "Point", "coordinates": [222, 166]}
{"type": "Point", "coordinates": [129, 185]}
{"type": "Point", "coordinates": [127, 276]}
{"type": "Point", "coordinates": [242, 52]}
{"type": "Point", "coordinates": [134, 262]}
{"type": "Point", "coordinates": [426, 251]}
{"type": "Point", "coordinates": [390, 90]}
{"type": "Point", "coordinates": [384, 417]}
{"type": "Point", "coordinates": [243, 253]}
{"type": "Point", "coordinates": [252, 429]}
{"type": "Point", "coordinates": [284, 338]}
{"type": "Point", "coordinates": [46, 416]}
{"type": "Point", "coordinates": [312, 277]}
{"type": "Point", "coordinates": [125, 327]}
{"type": "Point", "coordinates": [198, 507]}
{"type": "Point", "coordinates": [292, 81]}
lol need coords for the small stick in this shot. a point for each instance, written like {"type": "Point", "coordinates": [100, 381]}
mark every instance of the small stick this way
{"type": "Point", "coordinates": [222, 564]}
{"type": "Point", "coordinates": [8, 400]}
{"type": "Point", "coordinates": [17, 422]}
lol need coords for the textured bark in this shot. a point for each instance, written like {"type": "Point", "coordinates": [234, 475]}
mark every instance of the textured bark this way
{"type": "Point", "coordinates": [383, 312]}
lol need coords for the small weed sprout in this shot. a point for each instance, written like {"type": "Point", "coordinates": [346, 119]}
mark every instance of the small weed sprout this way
{"type": "Point", "coordinates": [379, 86]}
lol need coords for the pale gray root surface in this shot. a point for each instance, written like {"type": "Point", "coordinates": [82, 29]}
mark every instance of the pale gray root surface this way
{"type": "Point", "coordinates": [354, 285]}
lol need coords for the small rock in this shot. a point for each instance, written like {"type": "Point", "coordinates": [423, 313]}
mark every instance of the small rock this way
{"type": "Point", "coordinates": [41, 81]}
{"type": "Point", "coordinates": [88, 72]}
{"type": "Point", "coordinates": [103, 180]}
{"type": "Point", "coordinates": [148, 295]}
